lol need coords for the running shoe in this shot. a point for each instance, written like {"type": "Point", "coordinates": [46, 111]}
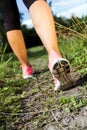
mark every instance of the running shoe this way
{"type": "Point", "coordinates": [27, 71]}
{"type": "Point", "coordinates": [61, 72]}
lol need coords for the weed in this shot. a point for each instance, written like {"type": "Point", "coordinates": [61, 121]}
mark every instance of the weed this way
{"type": "Point", "coordinates": [36, 94]}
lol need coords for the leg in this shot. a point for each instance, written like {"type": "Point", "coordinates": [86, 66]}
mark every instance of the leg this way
{"type": "Point", "coordinates": [17, 44]}
{"type": "Point", "coordinates": [44, 24]}
{"type": "Point", "coordinates": [11, 18]}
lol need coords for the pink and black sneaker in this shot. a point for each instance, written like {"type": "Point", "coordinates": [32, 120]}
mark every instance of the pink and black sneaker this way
{"type": "Point", "coordinates": [27, 71]}
{"type": "Point", "coordinates": [61, 72]}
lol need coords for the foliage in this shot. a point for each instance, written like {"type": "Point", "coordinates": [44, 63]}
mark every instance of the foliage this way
{"type": "Point", "coordinates": [36, 98]}
{"type": "Point", "coordinates": [3, 39]}
{"type": "Point", "coordinates": [30, 37]}
{"type": "Point", "coordinates": [29, 101]}
{"type": "Point", "coordinates": [72, 34]}
{"type": "Point", "coordinates": [75, 49]}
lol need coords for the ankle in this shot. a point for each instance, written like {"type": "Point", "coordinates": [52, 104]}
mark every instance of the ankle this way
{"type": "Point", "coordinates": [25, 65]}
{"type": "Point", "coordinates": [54, 55]}
{"type": "Point", "coordinates": [54, 52]}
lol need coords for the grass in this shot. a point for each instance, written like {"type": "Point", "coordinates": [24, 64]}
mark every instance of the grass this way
{"type": "Point", "coordinates": [75, 49]}
{"type": "Point", "coordinates": [38, 93]}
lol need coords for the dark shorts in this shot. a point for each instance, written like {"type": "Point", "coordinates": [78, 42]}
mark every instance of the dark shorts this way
{"type": "Point", "coordinates": [10, 13]}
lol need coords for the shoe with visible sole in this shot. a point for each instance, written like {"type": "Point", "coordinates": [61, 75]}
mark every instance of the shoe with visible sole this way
{"type": "Point", "coordinates": [27, 71]}
{"type": "Point", "coordinates": [60, 70]}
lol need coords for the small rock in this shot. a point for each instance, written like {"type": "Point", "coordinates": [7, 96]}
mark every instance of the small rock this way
{"type": "Point", "coordinates": [50, 127]}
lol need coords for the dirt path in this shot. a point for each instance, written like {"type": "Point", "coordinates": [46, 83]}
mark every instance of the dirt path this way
{"type": "Point", "coordinates": [44, 109]}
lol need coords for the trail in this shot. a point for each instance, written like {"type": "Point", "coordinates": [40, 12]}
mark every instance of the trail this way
{"type": "Point", "coordinates": [41, 105]}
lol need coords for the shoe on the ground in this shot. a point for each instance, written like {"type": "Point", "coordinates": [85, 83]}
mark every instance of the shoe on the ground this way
{"type": "Point", "coordinates": [60, 70]}
{"type": "Point", "coordinates": [27, 71]}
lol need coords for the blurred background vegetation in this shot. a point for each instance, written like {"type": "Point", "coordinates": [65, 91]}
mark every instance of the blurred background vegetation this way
{"type": "Point", "coordinates": [72, 41]}
{"type": "Point", "coordinates": [65, 28]}
{"type": "Point", "coordinates": [71, 34]}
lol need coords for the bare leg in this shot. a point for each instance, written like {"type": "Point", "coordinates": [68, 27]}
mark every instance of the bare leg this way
{"type": "Point", "coordinates": [17, 44]}
{"type": "Point", "coordinates": [44, 24]}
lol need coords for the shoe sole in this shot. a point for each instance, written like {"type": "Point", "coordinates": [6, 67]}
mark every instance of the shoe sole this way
{"type": "Point", "coordinates": [61, 70]}
{"type": "Point", "coordinates": [26, 77]}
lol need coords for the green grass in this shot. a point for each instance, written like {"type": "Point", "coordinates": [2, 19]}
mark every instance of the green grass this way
{"type": "Point", "coordinates": [75, 50]}
{"type": "Point", "coordinates": [39, 90]}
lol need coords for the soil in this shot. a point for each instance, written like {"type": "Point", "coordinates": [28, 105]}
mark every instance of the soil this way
{"type": "Point", "coordinates": [41, 109]}
{"type": "Point", "coordinates": [46, 116]}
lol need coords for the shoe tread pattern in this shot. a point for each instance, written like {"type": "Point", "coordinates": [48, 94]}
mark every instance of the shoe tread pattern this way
{"type": "Point", "coordinates": [61, 71]}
